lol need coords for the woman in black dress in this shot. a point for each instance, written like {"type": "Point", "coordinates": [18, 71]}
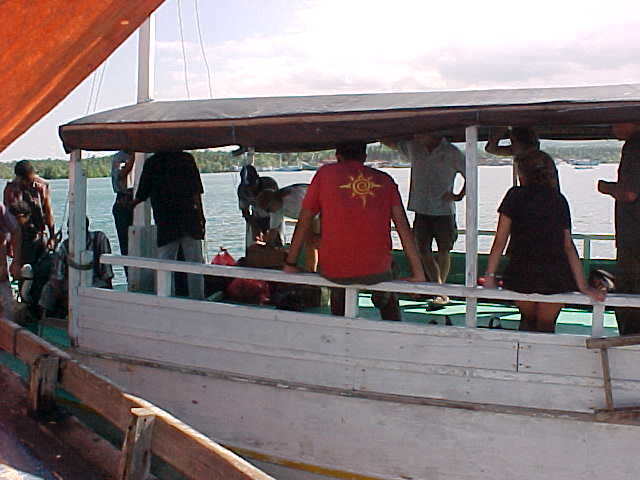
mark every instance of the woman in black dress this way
{"type": "Point", "coordinates": [542, 256]}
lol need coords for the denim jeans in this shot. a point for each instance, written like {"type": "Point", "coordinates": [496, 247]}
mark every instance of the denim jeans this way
{"type": "Point", "coordinates": [192, 249]}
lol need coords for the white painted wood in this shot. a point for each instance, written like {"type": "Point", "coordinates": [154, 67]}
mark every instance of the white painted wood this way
{"type": "Point", "coordinates": [575, 298]}
{"type": "Point", "coordinates": [163, 283]}
{"type": "Point", "coordinates": [402, 441]}
{"type": "Point", "coordinates": [471, 220]}
{"type": "Point", "coordinates": [548, 371]}
{"type": "Point", "coordinates": [86, 276]}
{"type": "Point", "coordinates": [351, 302]}
{"type": "Point", "coordinates": [597, 320]}
{"type": "Point", "coordinates": [77, 234]}
{"type": "Point", "coordinates": [146, 59]}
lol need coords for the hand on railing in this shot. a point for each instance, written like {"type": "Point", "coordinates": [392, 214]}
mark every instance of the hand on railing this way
{"type": "Point", "coordinates": [595, 294]}
{"type": "Point", "coordinates": [290, 269]}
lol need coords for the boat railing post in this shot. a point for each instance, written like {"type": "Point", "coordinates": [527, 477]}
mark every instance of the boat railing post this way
{"type": "Point", "coordinates": [597, 320]}
{"type": "Point", "coordinates": [140, 233]}
{"type": "Point", "coordinates": [471, 216]}
{"type": "Point", "coordinates": [77, 236]}
{"type": "Point", "coordinates": [249, 159]}
{"type": "Point", "coordinates": [163, 283]}
{"type": "Point", "coordinates": [351, 303]}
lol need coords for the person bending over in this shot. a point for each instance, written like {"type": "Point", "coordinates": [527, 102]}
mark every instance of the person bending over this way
{"type": "Point", "coordinates": [251, 185]}
{"type": "Point", "coordinates": [356, 205]}
{"type": "Point", "coordinates": [287, 202]}
{"type": "Point", "coordinates": [542, 256]}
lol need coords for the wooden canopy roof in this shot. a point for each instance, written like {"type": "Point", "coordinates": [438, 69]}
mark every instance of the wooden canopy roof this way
{"type": "Point", "coordinates": [281, 124]}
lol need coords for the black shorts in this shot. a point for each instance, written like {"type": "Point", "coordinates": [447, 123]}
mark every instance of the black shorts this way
{"type": "Point", "coordinates": [442, 228]}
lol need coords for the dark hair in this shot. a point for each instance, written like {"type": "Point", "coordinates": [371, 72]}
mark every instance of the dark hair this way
{"type": "Point", "coordinates": [23, 168]}
{"type": "Point", "coordinates": [20, 207]}
{"type": "Point", "coordinates": [538, 168]}
{"type": "Point", "coordinates": [249, 176]}
{"type": "Point", "coordinates": [524, 136]}
{"type": "Point", "coordinates": [352, 151]}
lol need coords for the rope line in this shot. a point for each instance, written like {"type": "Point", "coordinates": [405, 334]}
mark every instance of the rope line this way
{"type": "Point", "coordinates": [99, 89]}
{"type": "Point", "coordinates": [184, 52]}
{"type": "Point", "coordinates": [93, 86]}
{"type": "Point", "coordinates": [204, 55]}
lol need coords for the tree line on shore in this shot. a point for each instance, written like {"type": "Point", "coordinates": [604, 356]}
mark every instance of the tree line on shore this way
{"type": "Point", "coordinates": [214, 161]}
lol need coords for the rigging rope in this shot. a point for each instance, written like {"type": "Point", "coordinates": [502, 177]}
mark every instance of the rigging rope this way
{"type": "Point", "coordinates": [99, 89]}
{"type": "Point", "coordinates": [184, 52]}
{"type": "Point", "coordinates": [93, 86]}
{"type": "Point", "coordinates": [204, 55]}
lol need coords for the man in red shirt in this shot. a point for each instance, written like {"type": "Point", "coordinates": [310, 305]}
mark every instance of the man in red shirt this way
{"type": "Point", "coordinates": [356, 206]}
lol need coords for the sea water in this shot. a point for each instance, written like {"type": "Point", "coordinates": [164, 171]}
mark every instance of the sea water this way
{"type": "Point", "coordinates": [591, 211]}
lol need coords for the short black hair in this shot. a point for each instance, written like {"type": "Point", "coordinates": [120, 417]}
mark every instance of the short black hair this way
{"type": "Point", "coordinates": [23, 168]}
{"type": "Point", "coordinates": [353, 150]}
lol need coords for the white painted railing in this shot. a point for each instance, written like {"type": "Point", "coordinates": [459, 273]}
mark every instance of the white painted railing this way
{"type": "Point", "coordinates": [163, 269]}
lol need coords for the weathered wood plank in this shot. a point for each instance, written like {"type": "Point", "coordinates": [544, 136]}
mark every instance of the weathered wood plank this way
{"type": "Point", "coordinates": [609, 342]}
{"type": "Point", "coordinates": [606, 375]}
{"type": "Point", "coordinates": [43, 380]}
{"type": "Point", "coordinates": [135, 461]}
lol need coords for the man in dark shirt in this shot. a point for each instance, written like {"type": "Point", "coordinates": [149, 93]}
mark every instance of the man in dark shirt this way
{"type": "Point", "coordinates": [626, 192]}
{"type": "Point", "coordinates": [172, 181]}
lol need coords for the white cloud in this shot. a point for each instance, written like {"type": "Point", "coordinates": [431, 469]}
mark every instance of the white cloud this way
{"type": "Point", "coordinates": [356, 46]}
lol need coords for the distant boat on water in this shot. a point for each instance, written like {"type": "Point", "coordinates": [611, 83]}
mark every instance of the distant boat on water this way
{"type": "Point", "coordinates": [585, 163]}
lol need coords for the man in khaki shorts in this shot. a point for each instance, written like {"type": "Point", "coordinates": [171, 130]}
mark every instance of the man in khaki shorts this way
{"type": "Point", "coordinates": [435, 162]}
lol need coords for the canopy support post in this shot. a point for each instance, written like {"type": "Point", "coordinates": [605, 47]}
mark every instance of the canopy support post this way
{"type": "Point", "coordinates": [141, 234]}
{"type": "Point", "coordinates": [77, 237]}
{"type": "Point", "coordinates": [471, 220]}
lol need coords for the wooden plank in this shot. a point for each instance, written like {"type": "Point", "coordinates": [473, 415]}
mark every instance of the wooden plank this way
{"type": "Point", "coordinates": [186, 450]}
{"type": "Point", "coordinates": [135, 461]}
{"type": "Point", "coordinates": [606, 375]}
{"type": "Point", "coordinates": [43, 380]}
{"type": "Point", "coordinates": [24, 344]}
{"type": "Point", "coordinates": [163, 283]}
{"type": "Point", "coordinates": [77, 235]}
{"type": "Point", "coordinates": [597, 321]}
{"type": "Point", "coordinates": [609, 342]}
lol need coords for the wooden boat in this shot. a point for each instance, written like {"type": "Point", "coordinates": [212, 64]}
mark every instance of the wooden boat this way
{"type": "Point", "coordinates": [67, 40]}
{"type": "Point", "coordinates": [310, 396]}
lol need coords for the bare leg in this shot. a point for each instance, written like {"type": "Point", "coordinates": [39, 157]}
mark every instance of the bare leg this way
{"type": "Point", "coordinates": [528, 318]}
{"type": "Point", "coordinates": [547, 314]}
{"type": "Point", "coordinates": [431, 267]}
{"type": "Point", "coordinates": [444, 264]}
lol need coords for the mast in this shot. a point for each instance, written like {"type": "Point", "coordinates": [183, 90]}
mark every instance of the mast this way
{"type": "Point", "coordinates": [141, 238]}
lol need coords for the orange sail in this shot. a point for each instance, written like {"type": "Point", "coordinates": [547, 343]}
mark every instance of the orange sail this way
{"type": "Point", "coordinates": [47, 47]}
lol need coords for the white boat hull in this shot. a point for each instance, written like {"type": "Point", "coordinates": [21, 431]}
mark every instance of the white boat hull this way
{"type": "Point", "coordinates": [312, 396]}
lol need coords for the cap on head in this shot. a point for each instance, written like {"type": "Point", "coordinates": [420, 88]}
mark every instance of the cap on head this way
{"type": "Point", "coordinates": [352, 151]}
{"type": "Point", "coordinates": [23, 169]}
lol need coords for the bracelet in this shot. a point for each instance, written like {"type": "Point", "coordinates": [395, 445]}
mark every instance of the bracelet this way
{"type": "Point", "coordinates": [491, 275]}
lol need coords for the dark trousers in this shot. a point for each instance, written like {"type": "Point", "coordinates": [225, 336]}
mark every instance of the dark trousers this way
{"type": "Point", "coordinates": [123, 218]}
{"type": "Point", "coordinates": [628, 281]}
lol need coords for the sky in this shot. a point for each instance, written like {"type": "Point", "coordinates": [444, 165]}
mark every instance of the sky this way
{"type": "Point", "coordinates": [302, 47]}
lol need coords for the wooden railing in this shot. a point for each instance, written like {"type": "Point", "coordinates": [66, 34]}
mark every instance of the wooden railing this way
{"type": "Point", "coordinates": [147, 428]}
{"type": "Point", "coordinates": [163, 269]}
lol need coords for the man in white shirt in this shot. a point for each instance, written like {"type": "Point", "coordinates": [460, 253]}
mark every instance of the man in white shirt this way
{"type": "Point", "coordinates": [435, 162]}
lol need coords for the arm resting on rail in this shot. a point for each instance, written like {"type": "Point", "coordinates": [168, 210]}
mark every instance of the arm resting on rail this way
{"type": "Point", "coordinates": [300, 235]}
{"type": "Point", "coordinates": [578, 272]}
{"type": "Point", "coordinates": [497, 249]}
{"type": "Point", "coordinates": [408, 241]}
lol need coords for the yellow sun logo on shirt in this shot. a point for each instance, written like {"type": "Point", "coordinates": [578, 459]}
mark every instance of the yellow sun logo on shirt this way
{"type": "Point", "coordinates": [361, 187]}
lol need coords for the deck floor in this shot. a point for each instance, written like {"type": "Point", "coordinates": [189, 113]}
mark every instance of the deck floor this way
{"type": "Point", "coordinates": [26, 452]}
